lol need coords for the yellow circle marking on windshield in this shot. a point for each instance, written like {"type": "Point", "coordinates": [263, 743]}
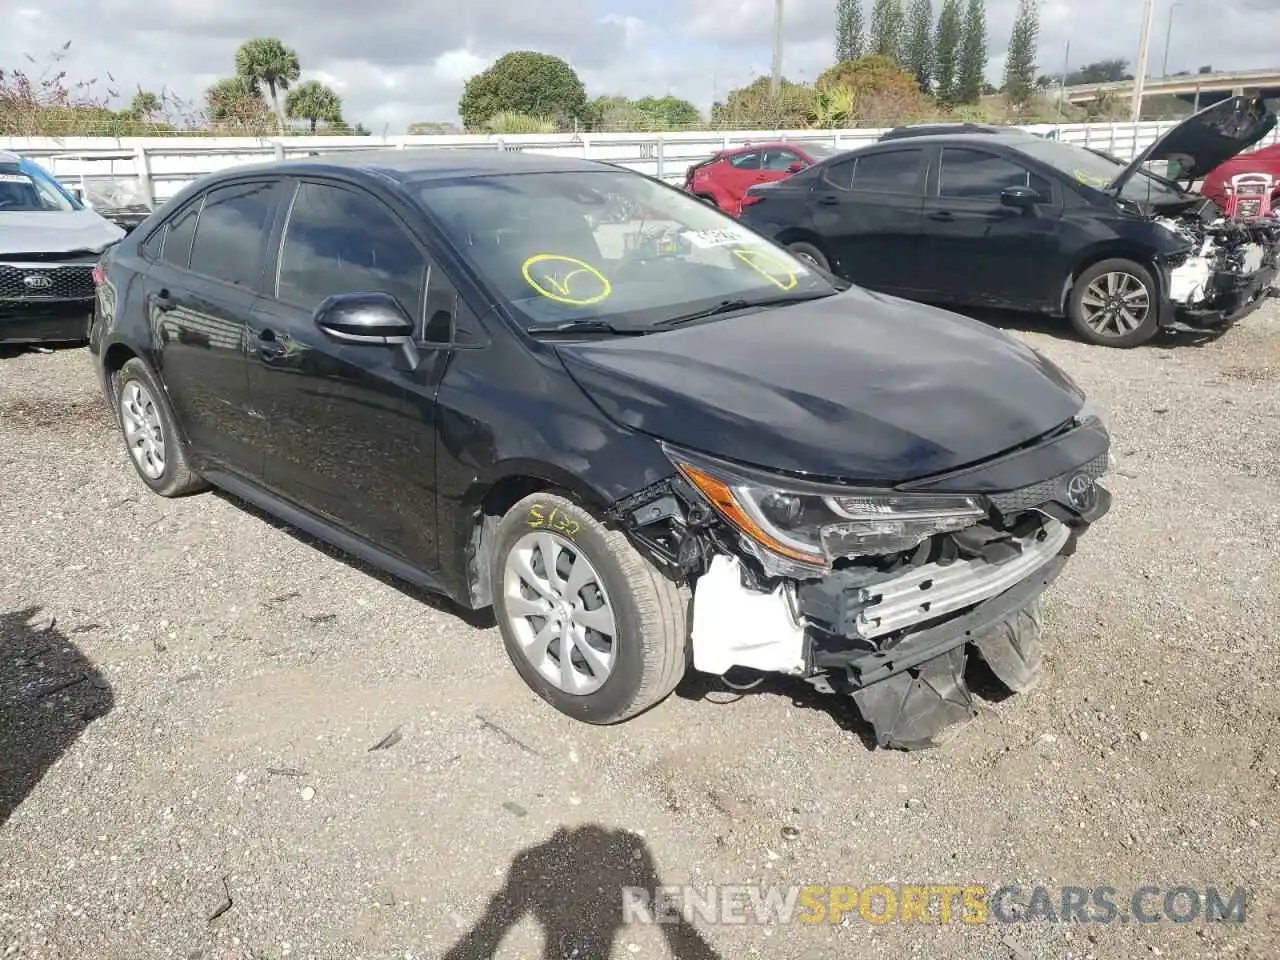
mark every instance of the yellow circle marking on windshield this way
{"type": "Point", "coordinates": [561, 286]}
{"type": "Point", "coordinates": [760, 260]}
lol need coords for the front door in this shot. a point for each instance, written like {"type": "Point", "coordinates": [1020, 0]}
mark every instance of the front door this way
{"type": "Point", "coordinates": [976, 249]}
{"type": "Point", "coordinates": [199, 295]}
{"type": "Point", "coordinates": [868, 210]}
{"type": "Point", "coordinates": [349, 427]}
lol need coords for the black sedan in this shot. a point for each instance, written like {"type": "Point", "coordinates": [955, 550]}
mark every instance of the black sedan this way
{"type": "Point", "coordinates": [647, 437]}
{"type": "Point", "coordinates": [1020, 222]}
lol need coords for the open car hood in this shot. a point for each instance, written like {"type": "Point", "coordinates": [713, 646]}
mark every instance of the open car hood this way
{"type": "Point", "coordinates": [1206, 139]}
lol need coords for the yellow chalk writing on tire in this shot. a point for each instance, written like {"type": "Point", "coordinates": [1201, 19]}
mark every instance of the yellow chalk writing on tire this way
{"type": "Point", "coordinates": [559, 287]}
{"type": "Point", "coordinates": [760, 260]}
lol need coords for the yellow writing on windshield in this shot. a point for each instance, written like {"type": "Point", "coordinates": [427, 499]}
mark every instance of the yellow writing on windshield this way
{"type": "Point", "coordinates": [761, 261]}
{"type": "Point", "coordinates": [566, 279]}
{"type": "Point", "coordinates": [1090, 179]}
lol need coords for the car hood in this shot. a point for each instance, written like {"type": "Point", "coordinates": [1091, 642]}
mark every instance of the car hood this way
{"type": "Point", "coordinates": [55, 231]}
{"type": "Point", "coordinates": [1206, 139]}
{"type": "Point", "coordinates": [859, 386]}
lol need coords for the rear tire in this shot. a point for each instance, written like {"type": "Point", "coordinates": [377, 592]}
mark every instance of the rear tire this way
{"type": "Point", "coordinates": [150, 433]}
{"type": "Point", "coordinates": [1115, 303]}
{"type": "Point", "coordinates": [624, 622]}
{"type": "Point", "coordinates": [810, 254]}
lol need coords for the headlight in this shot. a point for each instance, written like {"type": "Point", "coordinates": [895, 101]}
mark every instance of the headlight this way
{"type": "Point", "coordinates": [812, 524]}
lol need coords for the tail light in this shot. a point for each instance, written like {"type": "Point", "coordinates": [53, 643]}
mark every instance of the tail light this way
{"type": "Point", "coordinates": [99, 275]}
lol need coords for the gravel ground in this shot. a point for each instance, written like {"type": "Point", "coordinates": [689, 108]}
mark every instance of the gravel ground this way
{"type": "Point", "coordinates": [190, 695]}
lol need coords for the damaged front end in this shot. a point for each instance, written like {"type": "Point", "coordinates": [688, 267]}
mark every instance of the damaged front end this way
{"type": "Point", "coordinates": [1227, 267]}
{"type": "Point", "coordinates": [879, 594]}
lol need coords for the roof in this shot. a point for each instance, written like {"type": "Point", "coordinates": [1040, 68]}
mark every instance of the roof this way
{"type": "Point", "coordinates": [415, 166]}
{"type": "Point", "coordinates": [1008, 139]}
{"type": "Point", "coordinates": [7, 157]}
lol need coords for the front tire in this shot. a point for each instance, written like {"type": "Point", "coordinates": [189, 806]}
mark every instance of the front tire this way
{"type": "Point", "coordinates": [1115, 303]}
{"type": "Point", "coordinates": [150, 433]}
{"type": "Point", "coordinates": [563, 582]}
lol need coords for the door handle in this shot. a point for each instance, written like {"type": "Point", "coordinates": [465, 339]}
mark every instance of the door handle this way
{"type": "Point", "coordinates": [271, 346]}
{"type": "Point", "coordinates": [943, 216]}
{"type": "Point", "coordinates": [828, 200]}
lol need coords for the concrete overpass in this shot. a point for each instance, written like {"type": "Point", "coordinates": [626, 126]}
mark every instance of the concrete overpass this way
{"type": "Point", "coordinates": [1200, 89]}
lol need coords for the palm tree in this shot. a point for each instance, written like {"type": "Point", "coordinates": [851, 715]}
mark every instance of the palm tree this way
{"type": "Point", "coordinates": [267, 60]}
{"type": "Point", "coordinates": [313, 101]}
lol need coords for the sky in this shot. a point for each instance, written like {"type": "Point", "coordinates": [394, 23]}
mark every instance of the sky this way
{"type": "Point", "coordinates": [398, 61]}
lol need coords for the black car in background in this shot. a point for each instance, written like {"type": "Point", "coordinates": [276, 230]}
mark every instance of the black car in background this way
{"type": "Point", "coordinates": [648, 440]}
{"type": "Point", "coordinates": [1020, 222]}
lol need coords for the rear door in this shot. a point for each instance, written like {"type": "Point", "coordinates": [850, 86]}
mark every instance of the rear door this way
{"type": "Point", "coordinates": [868, 209]}
{"type": "Point", "coordinates": [199, 294]}
{"type": "Point", "coordinates": [976, 249]}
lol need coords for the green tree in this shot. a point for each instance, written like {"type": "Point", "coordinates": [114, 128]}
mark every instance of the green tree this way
{"type": "Point", "coordinates": [886, 29]}
{"type": "Point", "coordinates": [313, 101]}
{"type": "Point", "coordinates": [849, 27]}
{"type": "Point", "coordinates": [946, 51]}
{"type": "Point", "coordinates": [1020, 59]}
{"type": "Point", "coordinates": [265, 60]}
{"type": "Point", "coordinates": [917, 52]}
{"type": "Point", "coordinates": [972, 65]}
{"type": "Point", "coordinates": [527, 83]}
{"type": "Point", "coordinates": [144, 105]}
{"type": "Point", "coordinates": [234, 100]}
{"type": "Point", "coordinates": [668, 113]}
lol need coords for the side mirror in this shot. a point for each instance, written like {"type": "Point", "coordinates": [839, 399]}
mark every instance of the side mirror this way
{"type": "Point", "coordinates": [1021, 197]}
{"type": "Point", "coordinates": [373, 318]}
{"type": "Point", "coordinates": [795, 167]}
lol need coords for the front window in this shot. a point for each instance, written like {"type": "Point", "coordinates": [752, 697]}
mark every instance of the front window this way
{"type": "Point", "coordinates": [610, 246]}
{"type": "Point", "coordinates": [1095, 170]}
{"type": "Point", "coordinates": [27, 191]}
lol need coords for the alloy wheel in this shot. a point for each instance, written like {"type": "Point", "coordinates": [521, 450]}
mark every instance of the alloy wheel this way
{"type": "Point", "coordinates": [1115, 304]}
{"type": "Point", "coordinates": [143, 432]}
{"type": "Point", "coordinates": [559, 612]}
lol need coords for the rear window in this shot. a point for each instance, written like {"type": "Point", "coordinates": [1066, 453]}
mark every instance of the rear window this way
{"type": "Point", "coordinates": [895, 171]}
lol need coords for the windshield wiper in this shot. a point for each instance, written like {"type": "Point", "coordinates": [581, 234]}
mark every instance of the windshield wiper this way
{"type": "Point", "coordinates": [584, 326]}
{"type": "Point", "coordinates": [730, 306]}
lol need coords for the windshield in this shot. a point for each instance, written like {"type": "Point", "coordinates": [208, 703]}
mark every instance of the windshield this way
{"type": "Point", "coordinates": [610, 246]}
{"type": "Point", "coordinates": [1094, 170]}
{"type": "Point", "coordinates": [28, 192]}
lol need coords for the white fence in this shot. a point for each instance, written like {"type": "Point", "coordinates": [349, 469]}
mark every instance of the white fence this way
{"type": "Point", "coordinates": [158, 167]}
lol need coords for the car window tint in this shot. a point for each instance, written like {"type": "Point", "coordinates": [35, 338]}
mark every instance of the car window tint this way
{"type": "Point", "coordinates": [840, 174]}
{"type": "Point", "coordinates": [341, 241]}
{"type": "Point", "coordinates": [897, 171]}
{"type": "Point", "coordinates": [176, 248]}
{"type": "Point", "coordinates": [150, 248]}
{"type": "Point", "coordinates": [977, 175]}
{"type": "Point", "coordinates": [778, 159]}
{"type": "Point", "coordinates": [228, 241]}
{"type": "Point", "coordinates": [746, 161]}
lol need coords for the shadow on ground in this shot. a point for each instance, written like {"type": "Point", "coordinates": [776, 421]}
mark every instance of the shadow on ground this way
{"type": "Point", "coordinates": [49, 693]}
{"type": "Point", "coordinates": [1060, 328]}
{"type": "Point", "coordinates": [479, 619]}
{"type": "Point", "coordinates": [572, 884]}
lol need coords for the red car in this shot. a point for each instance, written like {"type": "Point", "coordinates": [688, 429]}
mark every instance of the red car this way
{"type": "Point", "coordinates": [723, 178]}
{"type": "Point", "coordinates": [1265, 160]}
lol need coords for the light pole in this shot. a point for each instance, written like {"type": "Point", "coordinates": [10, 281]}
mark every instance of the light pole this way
{"type": "Point", "coordinates": [775, 82]}
{"type": "Point", "coordinates": [1144, 46]}
{"type": "Point", "coordinates": [1168, 33]}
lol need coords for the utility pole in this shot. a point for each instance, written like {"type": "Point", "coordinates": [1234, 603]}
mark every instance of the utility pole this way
{"type": "Point", "coordinates": [775, 82]}
{"type": "Point", "coordinates": [1144, 44]}
{"type": "Point", "coordinates": [1062, 84]}
{"type": "Point", "coordinates": [1168, 35]}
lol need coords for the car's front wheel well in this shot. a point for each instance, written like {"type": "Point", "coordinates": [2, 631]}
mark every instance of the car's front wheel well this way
{"type": "Point", "coordinates": [1118, 252]}
{"type": "Point", "coordinates": [493, 506]}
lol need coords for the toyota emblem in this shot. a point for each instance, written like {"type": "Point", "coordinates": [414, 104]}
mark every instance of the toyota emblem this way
{"type": "Point", "coordinates": [36, 281]}
{"type": "Point", "coordinates": [1081, 491]}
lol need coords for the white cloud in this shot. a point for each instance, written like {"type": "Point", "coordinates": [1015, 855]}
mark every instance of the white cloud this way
{"type": "Point", "coordinates": [397, 61]}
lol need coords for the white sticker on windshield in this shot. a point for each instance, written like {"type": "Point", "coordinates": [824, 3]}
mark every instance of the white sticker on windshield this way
{"type": "Point", "coordinates": [724, 237]}
{"type": "Point", "coordinates": [14, 178]}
